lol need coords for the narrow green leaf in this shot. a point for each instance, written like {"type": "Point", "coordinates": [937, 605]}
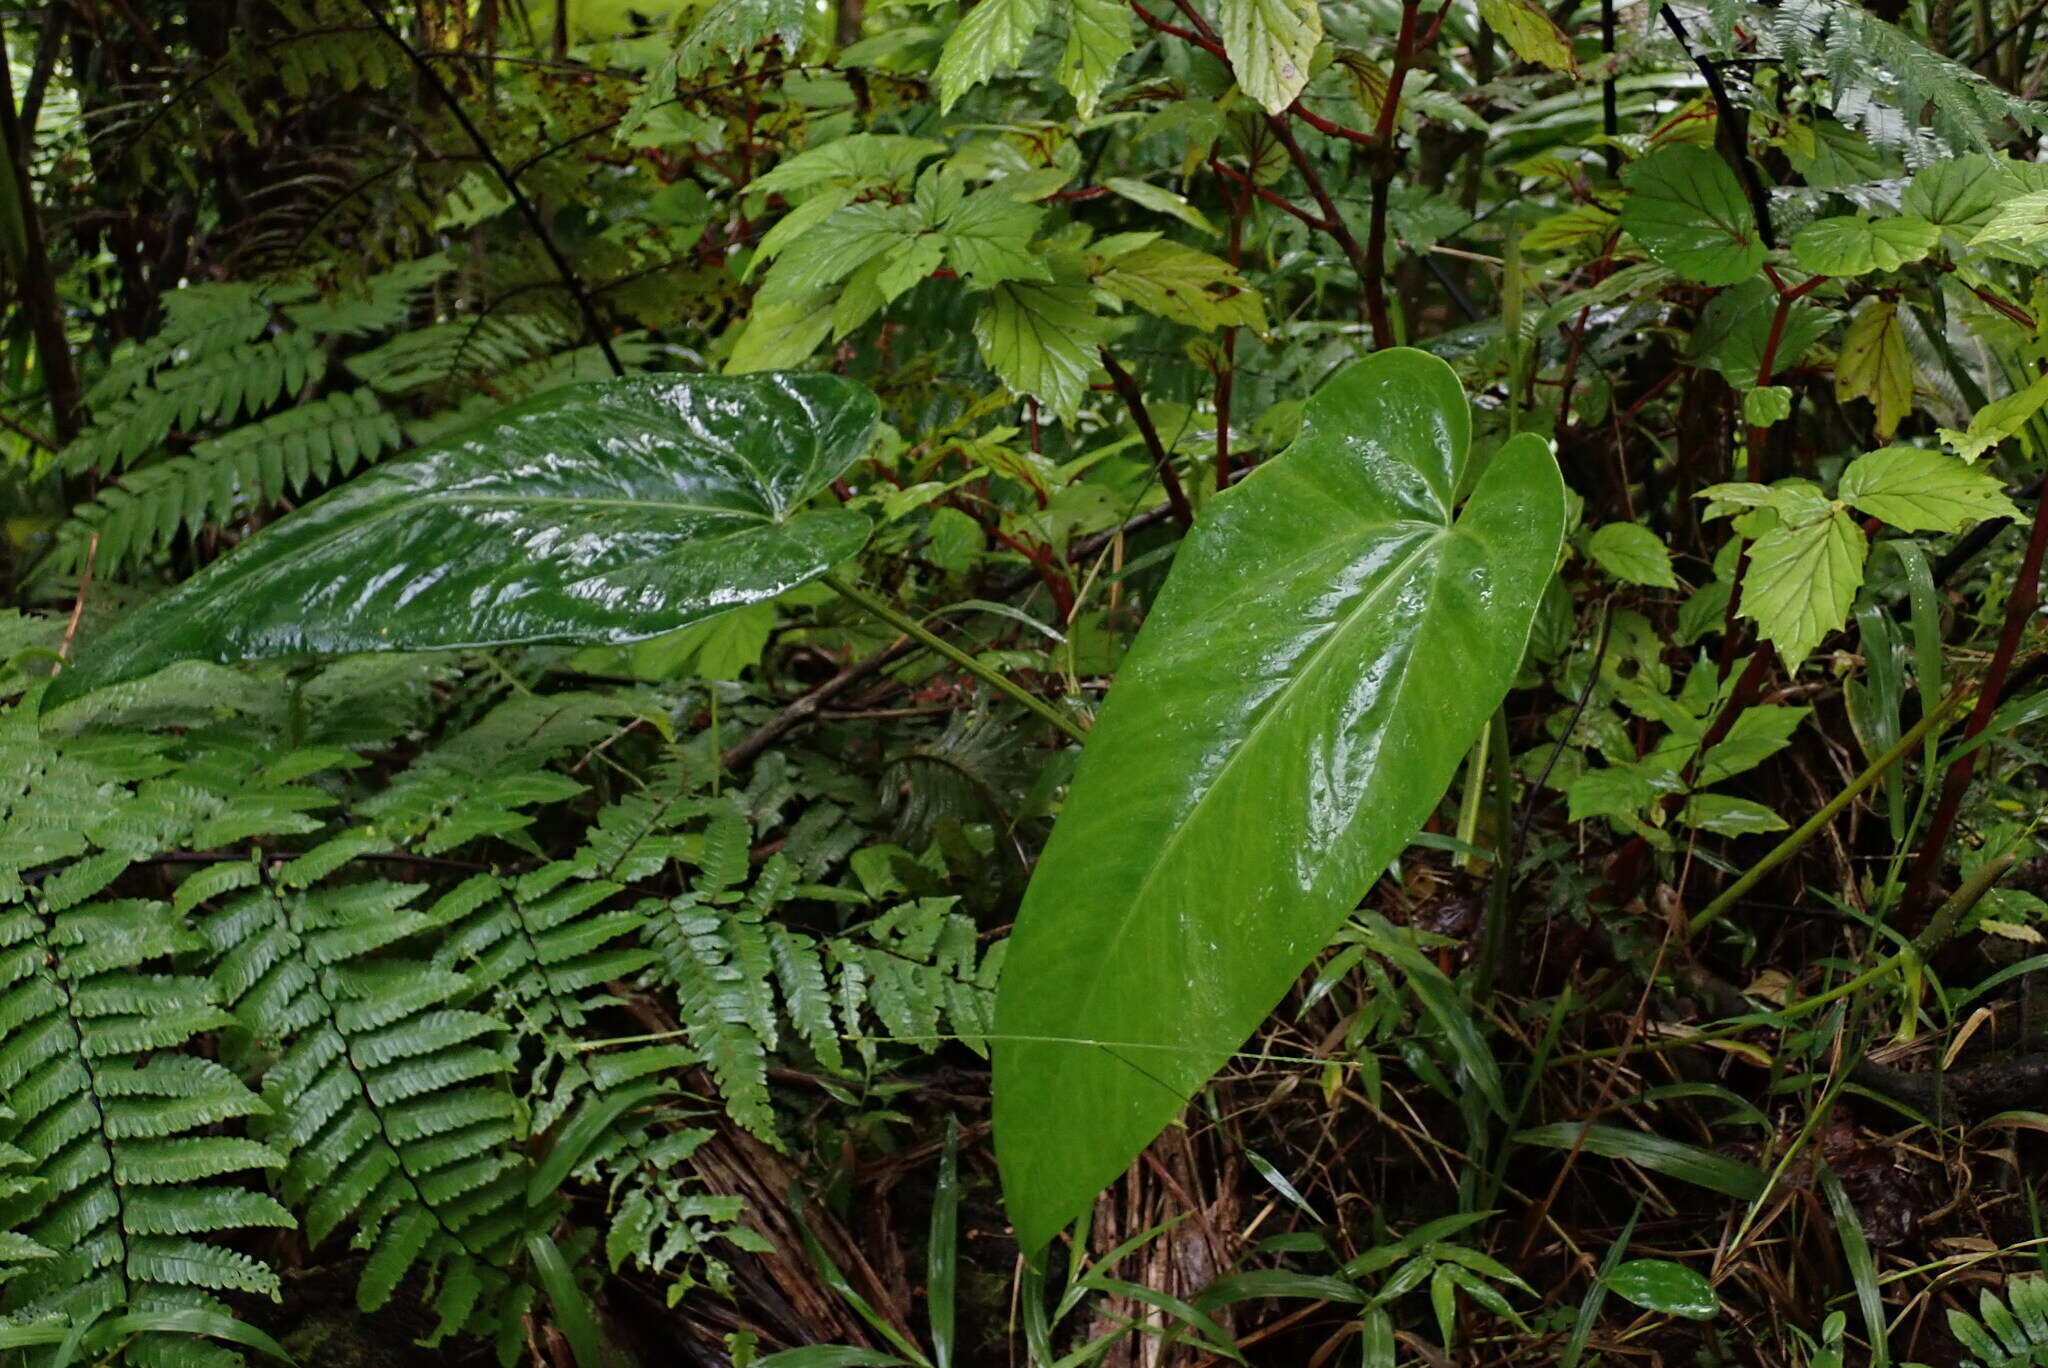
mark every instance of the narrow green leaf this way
{"type": "Point", "coordinates": [943, 1276]}
{"type": "Point", "coordinates": [1664, 1286]}
{"type": "Point", "coordinates": [1672, 1158]}
{"type": "Point", "coordinates": [573, 1314]}
{"type": "Point", "coordinates": [1260, 761]}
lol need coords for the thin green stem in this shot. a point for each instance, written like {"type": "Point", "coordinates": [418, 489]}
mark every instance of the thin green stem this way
{"type": "Point", "coordinates": [1813, 825]}
{"type": "Point", "coordinates": [1499, 894]}
{"type": "Point", "coordinates": [915, 630]}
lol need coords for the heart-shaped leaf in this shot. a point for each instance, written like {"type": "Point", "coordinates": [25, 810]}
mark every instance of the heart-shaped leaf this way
{"type": "Point", "coordinates": [1687, 209]}
{"type": "Point", "coordinates": [604, 512]}
{"type": "Point", "coordinates": [1330, 642]}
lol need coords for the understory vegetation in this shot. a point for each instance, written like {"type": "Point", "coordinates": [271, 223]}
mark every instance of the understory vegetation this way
{"type": "Point", "coordinates": [1143, 683]}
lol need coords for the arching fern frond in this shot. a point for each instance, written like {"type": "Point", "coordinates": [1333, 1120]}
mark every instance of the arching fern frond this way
{"type": "Point", "coordinates": [231, 476]}
{"type": "Point", "coordinates": [393, 1106]}
{"type": "Point", "coordinates": [129, 1181]}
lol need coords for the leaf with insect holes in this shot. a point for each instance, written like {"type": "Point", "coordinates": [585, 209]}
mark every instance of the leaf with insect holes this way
{"type": "Point", "coordinates": [1687, 210]}
{"type": "Point", "coordinates": [1875, 365]}
{"type": "Point", "coordinates": [1851, 246]}
{"type": "Point", "coordinates": [1528, 28]}
{"type": "Point", "coordinates": [1996, 421]}
{"type": "Point", "coordinates": [1918, 490]}
{"type": "Point", "coordinates": [1270, 43]}
{"type": "Point", "coordinates": [1632, 554]}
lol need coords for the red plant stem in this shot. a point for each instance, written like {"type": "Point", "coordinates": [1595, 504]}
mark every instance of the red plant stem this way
{"type": "Point", "coordinates": [1330, 128]}
{"type": "Point", "coordinates": [1372, 271]}
{"type": "Point", "coordinates": [1766, 366]}
{"type": "Point", "coordinates": [1208, 45]}
{"type": "Point", "coordinates": [1162, 461]}
{"type": "Point", "coordinates": [2019, 607]}
{"type": "Point", "coordinates": [1332, 221]}
{"type": "Point", "coordinates": [1277, 201]}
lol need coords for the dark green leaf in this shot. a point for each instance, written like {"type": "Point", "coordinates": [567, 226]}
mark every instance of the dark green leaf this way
{"type": "Point", "coordinates": [596, 513]}
{"type": "Point", "coordinates": [1661, 1285]}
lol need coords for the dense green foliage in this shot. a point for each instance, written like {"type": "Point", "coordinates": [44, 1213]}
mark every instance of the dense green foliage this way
{"type": "Point", "coordinates": [860, 463]}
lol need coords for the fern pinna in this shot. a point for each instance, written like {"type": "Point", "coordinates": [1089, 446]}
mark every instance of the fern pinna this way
{"type": "Point", "coordinates": [303, 974]}
{"type": "Point", "coordinates": [114, 1118]}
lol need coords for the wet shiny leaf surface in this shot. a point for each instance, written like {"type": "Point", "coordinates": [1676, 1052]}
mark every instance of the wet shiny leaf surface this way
{"type": "Point", "coordinates": [1331, 641]}
{"type": "Point", "coordinates": [604, 512]}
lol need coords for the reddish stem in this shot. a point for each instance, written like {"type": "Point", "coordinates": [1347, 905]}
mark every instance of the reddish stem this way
{"type": "Point", "coordinates": [2019, 606]}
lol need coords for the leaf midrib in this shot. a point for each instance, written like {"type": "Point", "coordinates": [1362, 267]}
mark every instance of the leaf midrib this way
{"type": "Point", "coordinates": [593, 501]}
{"type": "Point", "coordinates": [1173, 840]}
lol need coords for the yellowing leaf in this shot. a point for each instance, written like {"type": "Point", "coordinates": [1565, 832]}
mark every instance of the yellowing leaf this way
{"type": "Point", "coordinates": [1528, 28]}
{"type": "Point", "coordinates": [1924, 491]}
{"type": "Point", "coordinates": [1802, 579]}
{"type": "Point", "coordinates": [1270, 43]}
{"type": "Point", "coordinates": [1185, 285]}
{"type": "Point", "coordinates": [1874, 364]}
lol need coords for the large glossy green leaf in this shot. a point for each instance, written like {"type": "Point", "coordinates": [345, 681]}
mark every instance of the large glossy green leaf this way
{"type": "Point", "coordinates": [1329, 644]}
{"type": "Point", "coordinates": [604, 512]}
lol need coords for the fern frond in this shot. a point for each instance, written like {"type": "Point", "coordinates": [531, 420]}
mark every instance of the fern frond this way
{"type": "Point", "coordinates": [1888, 84]}
{"type": "Point", "coordinates": [393, 1108]}
{"type": "Point", "coordinates": [2008, 1333]}
{"type": "Point", "coordinates": [229, 477]}
{"type": "Point", "coordinates": [129, 1177]}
